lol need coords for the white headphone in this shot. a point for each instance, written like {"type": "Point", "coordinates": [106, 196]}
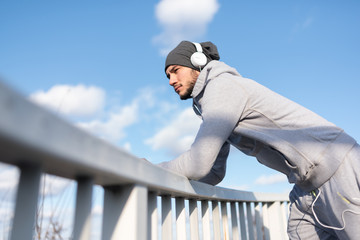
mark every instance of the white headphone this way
{"type": "Point", "coordinates": [198, 58]}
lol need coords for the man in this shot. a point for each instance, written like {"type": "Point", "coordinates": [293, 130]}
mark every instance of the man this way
{"type": "Point", "coordinates": [318, 157]}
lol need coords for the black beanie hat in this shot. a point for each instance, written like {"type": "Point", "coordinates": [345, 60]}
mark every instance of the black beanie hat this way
{"type": "Point", "coordinates": [182, 53]}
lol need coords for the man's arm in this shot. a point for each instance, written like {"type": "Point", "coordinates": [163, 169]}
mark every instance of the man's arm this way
{"type": "Point", "coordinates": [222, 105]}
{"type": "Point", "coordinates": [217, 172]}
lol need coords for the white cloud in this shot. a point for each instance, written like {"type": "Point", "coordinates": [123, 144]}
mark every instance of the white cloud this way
{"type": "Point", "coordinates": [9, 177]}
{"type": "Point", "coordinates": [86, 101]}
{"type": "Point", "coordinates": [112, 128]}
{"type": "Point", "coordinates": [6, 218]}
{"type": "Point", "coordinates": [178, 135]}
{"type": "Point", "coordinates": [79, 100]}
{"type": "Point", "coordinates": [113, 121]}
{"type": "Point", "coordinates": [97, 210]}
{"type": "Point", "coordinates": [53, 185]}
{"type": "Point", "coordinates": [127, 146]}
{"type": "Point", "coordinates": [183, 19]}
{"type": "Point", "coordinates": [55, 215]}
{"type": "Point", "coordinates": [271, 179]}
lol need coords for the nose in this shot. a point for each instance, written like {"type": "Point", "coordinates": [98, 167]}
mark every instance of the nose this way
{"type": "Point", "coordinates": [172, 79]}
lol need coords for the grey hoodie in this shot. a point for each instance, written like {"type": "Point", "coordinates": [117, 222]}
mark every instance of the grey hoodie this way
{"type": "Point", "coordinates": [259, 122]}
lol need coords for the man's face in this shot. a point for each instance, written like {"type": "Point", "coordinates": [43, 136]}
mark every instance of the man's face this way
{"type": "Point", "coordinates": [182, 79]}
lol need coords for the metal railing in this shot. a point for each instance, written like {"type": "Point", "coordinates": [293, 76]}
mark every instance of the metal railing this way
{"type": "Point", "coordinates": [141, 201]}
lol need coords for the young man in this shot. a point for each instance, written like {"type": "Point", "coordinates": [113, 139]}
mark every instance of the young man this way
{"type": "Point", "coordinates": [318, 157]}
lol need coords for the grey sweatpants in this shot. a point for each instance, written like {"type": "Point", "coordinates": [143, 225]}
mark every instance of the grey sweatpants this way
{"type": "Point", "coordinates": [331, 211]}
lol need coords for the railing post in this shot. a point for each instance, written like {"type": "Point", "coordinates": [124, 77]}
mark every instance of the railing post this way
{"type": "Point", "coordinates": [82, 223]}
{"type": "Point", "coordinates": [258, 221]}
{"type": "Point", "coordinates": [216, 219]}
{"type": "Point", "coordinates": [242, 221]}
{"type": "Point", "coordinates": [152, 216]}
{"type": "Point", "coordinates": [180, 219]}
{"type": "Point", "coordinates": [166, 217]}
{"type": "Point", "coordinates": [225, 222]}
{"type": "Point", "coordinates": [284, 214]}
{"type": "Point", "coordinates": [276, 224]}
{"type": "Point", "coordinates": [194, 220]}
{"type": "Point", "coordinates": [266, 219]}
{"type": "Point", "coordinates": [250, 221]}
{"type": "Point", "coordinates": [125, 213]}
{"type": "Point", "coordinates": [26, 203]}
{"type": "Point", "coordinates": [234, 223]}
{"type": "Point", "coordinates": [205, 219]}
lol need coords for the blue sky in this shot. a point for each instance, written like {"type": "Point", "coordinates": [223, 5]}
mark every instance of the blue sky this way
{"type": "Point", "coordinates": [109, 57]}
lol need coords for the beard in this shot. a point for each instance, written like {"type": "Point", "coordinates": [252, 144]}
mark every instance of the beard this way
{"type": "Point", "coordinates": [190, 88]}
{"type": "Point", "coordinates": [188, 92]}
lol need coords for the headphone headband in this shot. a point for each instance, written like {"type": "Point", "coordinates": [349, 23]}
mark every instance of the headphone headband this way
{"type": "Point", "coordinates": [198, 47]}
{"type": "Point", "coordinates": [198, 58]}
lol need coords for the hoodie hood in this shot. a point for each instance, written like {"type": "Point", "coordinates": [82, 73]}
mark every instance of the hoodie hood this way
{"type": "Point", "coordinates": [212, 70]}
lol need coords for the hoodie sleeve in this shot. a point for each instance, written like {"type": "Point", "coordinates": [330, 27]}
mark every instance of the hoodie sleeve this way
{"type": "Point", "coordinates": [218, 170]}
{"type": "Point", "coordinates": [222, 105]}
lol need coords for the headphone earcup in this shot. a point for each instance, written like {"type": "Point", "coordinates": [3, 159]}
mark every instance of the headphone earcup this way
{"type": "Point", "coordinates": [198, 59]}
